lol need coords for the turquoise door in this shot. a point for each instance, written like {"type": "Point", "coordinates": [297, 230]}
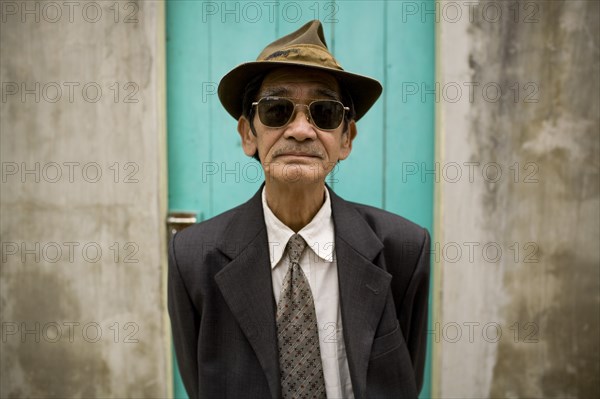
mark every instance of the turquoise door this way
{"type": "Point", "coordinates": [209, 173]}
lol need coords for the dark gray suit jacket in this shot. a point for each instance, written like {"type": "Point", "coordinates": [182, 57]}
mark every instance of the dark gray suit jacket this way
{"type": "Point", "coordinates": [223, 311]}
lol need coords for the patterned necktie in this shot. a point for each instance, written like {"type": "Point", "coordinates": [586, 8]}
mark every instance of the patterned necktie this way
{"type": "Point", "coordinates": [297, 334]}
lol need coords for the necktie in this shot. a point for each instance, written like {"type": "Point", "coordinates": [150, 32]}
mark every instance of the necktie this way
{"type": "Point", "coordinates": [297, 333]}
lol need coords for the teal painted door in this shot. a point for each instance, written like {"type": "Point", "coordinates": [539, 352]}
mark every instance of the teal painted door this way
{"type": "Point", "coordinates": [209, 173]}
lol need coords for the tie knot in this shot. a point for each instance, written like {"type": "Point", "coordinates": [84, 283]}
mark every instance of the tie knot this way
{"type": "Point", "coordinates": [295, 246]}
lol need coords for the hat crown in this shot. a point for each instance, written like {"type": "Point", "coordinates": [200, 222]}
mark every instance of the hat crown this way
{"type": "Point", "coordinates": [309, 33]}
{"type": "Point", "coordinates": [306, 45]}
{"type": "Point", "coordinates": [304, 48]}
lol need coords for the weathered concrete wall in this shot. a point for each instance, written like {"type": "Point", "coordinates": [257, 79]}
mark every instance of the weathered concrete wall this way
{"type": "Point", "coordinates": [83, 200]}
{"type": "Point", "coordinates": [533, 117]}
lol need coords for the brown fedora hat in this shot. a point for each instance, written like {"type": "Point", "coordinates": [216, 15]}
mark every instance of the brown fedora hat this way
{"type": "Point", "coordinates": [306, 48]}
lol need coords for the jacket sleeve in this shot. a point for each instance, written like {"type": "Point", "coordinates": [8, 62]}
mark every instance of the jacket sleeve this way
{"type": "Point", "coordinates": [185, 324]}
{"type": "Point", "coordinates": [414, 311]}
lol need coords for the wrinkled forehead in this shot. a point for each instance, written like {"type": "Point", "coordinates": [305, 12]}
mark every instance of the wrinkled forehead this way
{"type": "Point", "coordinates": [300, 83]}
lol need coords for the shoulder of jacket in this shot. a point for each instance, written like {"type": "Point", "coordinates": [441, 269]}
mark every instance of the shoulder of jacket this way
{"type": "Point", "coordinates": [388, 224]}
{"type": "Point", "coordinates": [206, 230]}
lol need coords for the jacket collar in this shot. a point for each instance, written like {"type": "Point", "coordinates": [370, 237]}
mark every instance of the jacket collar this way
{"type": "Point", "coordinates": [246, 285]}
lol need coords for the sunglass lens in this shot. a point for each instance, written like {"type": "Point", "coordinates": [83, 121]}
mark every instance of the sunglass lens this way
{"type": "Point", "coordinates": [275, 112]}
{"type": "Point", "coordinates": [327, 114]}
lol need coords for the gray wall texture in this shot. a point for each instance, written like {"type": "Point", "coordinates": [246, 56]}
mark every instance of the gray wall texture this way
{"type": "Point", "coordinates": [83, 200]}
{"type": "Point", "coordinates": [518, 232]}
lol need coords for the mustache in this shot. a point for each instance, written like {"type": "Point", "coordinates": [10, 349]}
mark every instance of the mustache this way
{"type": "Point", "coordinates": [305, 149]}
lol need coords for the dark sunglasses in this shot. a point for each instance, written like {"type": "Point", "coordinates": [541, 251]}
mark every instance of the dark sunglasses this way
{"type": "Point", "coordinates": [278, 111]}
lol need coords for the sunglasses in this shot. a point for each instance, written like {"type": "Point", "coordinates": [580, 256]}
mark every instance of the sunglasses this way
{"type": "Point", "coordinates": [278, 111]}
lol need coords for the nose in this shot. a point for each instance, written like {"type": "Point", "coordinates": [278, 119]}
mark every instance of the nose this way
{"type": "Point", "coordinates": [300, 127]}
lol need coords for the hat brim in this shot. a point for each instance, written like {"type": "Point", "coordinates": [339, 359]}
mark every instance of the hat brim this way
{"type": "Point", "coordinates": [364, 90]}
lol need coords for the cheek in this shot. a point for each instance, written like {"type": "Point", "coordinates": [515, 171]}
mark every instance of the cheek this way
{"type": "Point", "coordinates": [334, 146]}
{"type": "Point", "coordinates": [264, 145]}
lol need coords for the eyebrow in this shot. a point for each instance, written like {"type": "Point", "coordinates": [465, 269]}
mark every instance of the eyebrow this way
{"type": "Point", "coordinates": [283, 92]}
{"type": "Point", "coordinates": [323, 91]}
{"type": "Point", "coordinates": [275, 92]}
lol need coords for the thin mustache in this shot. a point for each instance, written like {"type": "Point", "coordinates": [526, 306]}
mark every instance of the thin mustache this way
{"type": "Point", "coordinates": [313, 152]}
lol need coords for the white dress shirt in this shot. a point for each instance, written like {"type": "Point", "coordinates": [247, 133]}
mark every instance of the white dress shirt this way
{"type": "Point", "coordinates": [320, 267]}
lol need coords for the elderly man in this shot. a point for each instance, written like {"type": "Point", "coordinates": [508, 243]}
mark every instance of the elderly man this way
{"type": "Point", "coordinates": [298, 293]}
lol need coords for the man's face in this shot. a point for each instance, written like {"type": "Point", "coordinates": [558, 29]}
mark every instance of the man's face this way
{"type": "Point", "coordinates": [298, 152]}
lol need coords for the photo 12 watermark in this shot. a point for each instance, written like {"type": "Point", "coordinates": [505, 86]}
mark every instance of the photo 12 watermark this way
{"type": "Point", "coordinates": [70, 172]}
{"type": "Point", "coordinates": [70, 92]}
{"type": "Point", "coordinates": [477, 252]}
{"type": "Point", "coordinates": [92, 252]}
{"type": "Point", "coordinates": [53, 12]}
{"type": "Point", "coordinates": [490, 12]}
{"type": "Point", "coordinates": [488, 252]}
{"type": "Point", "coordinates": [269, 11]}
{"type": "Point", "coordinates": [527, 172]}
{"type": "Point", "coordinates": [252, 171]}
{"type": "Point", "coordinates": [70, 332]}
{"type": "Point", "coordinates": [471, 92]}
{"type": "Point", "coordinates": [490, 332]}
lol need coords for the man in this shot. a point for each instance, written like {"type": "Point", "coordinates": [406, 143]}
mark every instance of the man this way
{"type": "Point", "coordinates": [298, 293]}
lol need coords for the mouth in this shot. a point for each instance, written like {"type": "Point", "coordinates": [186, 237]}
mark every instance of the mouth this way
{"type": "Point", "coordinates": [298, 154]}
{"type": "Point", "coordinates": [305, 153]}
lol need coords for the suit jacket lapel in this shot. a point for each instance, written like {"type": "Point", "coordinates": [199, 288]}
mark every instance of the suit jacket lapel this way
{"type": "Point", "coordinates": [363, 287]}
{"type": "Point", "coordinates": [247, 288]}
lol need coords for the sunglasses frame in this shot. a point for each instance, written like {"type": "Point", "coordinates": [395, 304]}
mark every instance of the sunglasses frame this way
{"type": "Point", "coordinates": [309, 114]}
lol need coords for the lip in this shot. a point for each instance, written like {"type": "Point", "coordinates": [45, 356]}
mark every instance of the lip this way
{"type": "Point", "coordinates": [298, 154]}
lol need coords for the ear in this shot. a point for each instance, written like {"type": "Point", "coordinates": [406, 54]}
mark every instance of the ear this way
{"type": "Point", "coordinates": [347, 137]}
{"type": "Point", "coordinates": [248, 138]}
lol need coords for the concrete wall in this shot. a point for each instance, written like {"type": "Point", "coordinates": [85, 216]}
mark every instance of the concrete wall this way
{"type": "Point", "coordinates": [533, 117]}
{"type": "Point", "coordinates": [82, 148]}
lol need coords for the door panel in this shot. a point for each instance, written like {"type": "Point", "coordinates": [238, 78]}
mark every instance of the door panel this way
{"type": "Point", "coordinates": [360, 49]}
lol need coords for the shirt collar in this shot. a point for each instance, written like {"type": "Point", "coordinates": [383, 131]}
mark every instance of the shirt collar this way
{"type": "Point", "coordinates": [318, 233]}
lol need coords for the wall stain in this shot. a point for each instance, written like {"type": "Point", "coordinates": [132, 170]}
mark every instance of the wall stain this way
{"type": "Point", "coordinates": [558, 134]}
{"type": "Point", "coordinates": [43, 296]}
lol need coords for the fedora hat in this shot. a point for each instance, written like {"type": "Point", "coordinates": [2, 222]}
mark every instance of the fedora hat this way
{"type": "Point", "coordinates": [304, 48]}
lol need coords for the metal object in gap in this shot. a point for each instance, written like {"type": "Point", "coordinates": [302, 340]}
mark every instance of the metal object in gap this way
{"type": "Point", "coordinates": [177, 221]}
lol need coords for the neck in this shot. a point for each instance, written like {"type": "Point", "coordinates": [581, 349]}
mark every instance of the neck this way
{"type": "Point", "coordinates": [295, 204]}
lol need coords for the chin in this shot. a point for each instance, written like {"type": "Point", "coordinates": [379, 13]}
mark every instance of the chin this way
{"type": "Point", "coordinates": [297, 170]}
{"type": "Point", "coordinates": [298, 174]}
